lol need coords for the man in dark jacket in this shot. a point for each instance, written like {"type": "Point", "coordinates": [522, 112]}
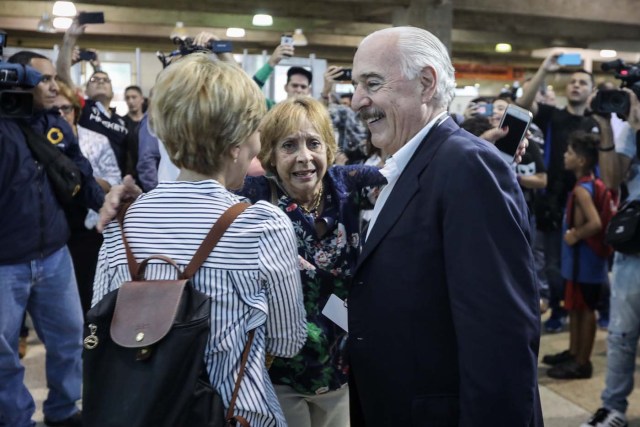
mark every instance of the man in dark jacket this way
{"type": "Point", "coordinates": [36, 272]}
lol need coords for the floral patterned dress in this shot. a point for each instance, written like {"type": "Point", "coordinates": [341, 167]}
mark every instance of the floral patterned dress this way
{"type": "Point", "coordinates": [321, 366]}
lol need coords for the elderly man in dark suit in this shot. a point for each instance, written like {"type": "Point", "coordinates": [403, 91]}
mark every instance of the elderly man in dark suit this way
{"type": "Point", "coordinates": [443, 311]}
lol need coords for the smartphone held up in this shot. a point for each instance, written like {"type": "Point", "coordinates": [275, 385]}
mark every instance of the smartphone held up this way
{"type": "Point", "coordinates": [517, 119]}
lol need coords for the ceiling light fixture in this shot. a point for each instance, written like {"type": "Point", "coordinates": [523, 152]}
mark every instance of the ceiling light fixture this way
{"type": "Point", "coordinates": [62, 23]}
{"type": "Point", "coordinates": [262, 20]}
{"type": "Point", "coordinates": [608, 53]}
{"type": "Point", "coordinates": [179, 31]}
{"type": "Point", "coordinates": [503, 47]}
{"type": "Point", "coordinates": [235, 32]}
{"type": "Point", "coordinates": [64, 8]}
{"type": "Point", "coordinates": [298, 38]}
{"type": "Point", "coordinates": [45, 25]}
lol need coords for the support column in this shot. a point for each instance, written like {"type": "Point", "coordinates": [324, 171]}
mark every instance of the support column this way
{"type": "Point", "coordinates": [435, 16]}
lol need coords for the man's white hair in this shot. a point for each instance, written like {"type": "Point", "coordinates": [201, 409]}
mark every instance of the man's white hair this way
{"type": "Point", "coordinates": [420, 48]}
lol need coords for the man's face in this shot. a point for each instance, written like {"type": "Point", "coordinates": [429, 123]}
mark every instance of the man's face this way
{"type": "Point", "coordinates": [134, 100]}
{"type": "Point", "coordinates": [45, 93]}
{"type": "Point", "coordinates": [579, 88]}
{"type": "Point", "coordinates": [298, 85]}
{"type": "Point", "coordinates": [393, 106]}
{"type": "Point", "coordinates": [346, 101]}
{"type": "Point", "coordinates": [99, 85]}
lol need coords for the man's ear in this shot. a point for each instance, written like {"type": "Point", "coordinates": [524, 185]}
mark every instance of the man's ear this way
{"type": "Point", "coordinates": [428, 80]}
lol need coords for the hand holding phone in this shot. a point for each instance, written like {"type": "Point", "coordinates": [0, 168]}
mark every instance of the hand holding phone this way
{"type": "Point", "coordinates": [87, 55]}
{"type": "Point", "coordinates": [345, 76]}
{"type": "Point", "coordinates": [517, 120]}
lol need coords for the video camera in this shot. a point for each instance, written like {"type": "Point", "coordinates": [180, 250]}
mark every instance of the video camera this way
{"type": "Point", "coordinates": [16, 103]}
{"type": "Point", "coordinates": [186, 46]}
{"type": "Point", "coordinates": [618, 101]}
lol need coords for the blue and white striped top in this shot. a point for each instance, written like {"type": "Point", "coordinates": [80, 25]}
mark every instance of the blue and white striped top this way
{"type": "Point", "coordinates": [252, 276]}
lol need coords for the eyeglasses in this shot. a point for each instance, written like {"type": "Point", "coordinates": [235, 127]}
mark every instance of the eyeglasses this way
{"type": "Point", "coordinates": [65, 109]}
{"type": "Point", "coordinates": [100, 80]}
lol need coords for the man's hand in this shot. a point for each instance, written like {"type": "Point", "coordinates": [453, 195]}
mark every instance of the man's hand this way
{"type": "Point", "coordinates": [570, 237]}
{"type": "Point", "coordinates": [634, 110]}
{"type": "Point", "coordinates": [279, 53]}
{"type": "Point", "coordinates": [114, 199]}
{"type": "Point", "coordinates": [75, 30]}
{"type": "Point", "coordinates": [550, 64]}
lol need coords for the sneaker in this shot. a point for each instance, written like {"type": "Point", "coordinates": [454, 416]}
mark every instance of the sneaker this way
{"type": "Point", "coordinates": [554, 325]}
{"type": "Point", "coordinates": [22, 347]}
{"type": "Point", "coordinates": [606, 418]}
{"type": "Point", "coordinates": [571, 370]}
{"type": "Point", "coordinates": [74, 420]}
{"type": "Point", "coordinates": [558, 358]}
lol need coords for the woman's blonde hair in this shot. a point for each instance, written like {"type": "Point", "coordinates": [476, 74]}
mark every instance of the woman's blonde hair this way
{"type": "Point", "coordinates": [284, 119]}
{"type": "Point", "coordinates": [201, 108]}
{"type": "Point", "coordinates": [73, 99]}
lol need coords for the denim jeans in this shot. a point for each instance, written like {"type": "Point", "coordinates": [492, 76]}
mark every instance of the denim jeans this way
{"type": "Point", "coordinates": [46, 288]}
{"type": "Point", "coordinates": [547, 250]}
{"type": "Point", "coordinates": [624, 330]}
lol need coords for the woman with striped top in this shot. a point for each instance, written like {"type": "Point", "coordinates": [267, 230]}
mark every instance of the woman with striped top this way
{"type": "Point", "coordinates": [207, 114]}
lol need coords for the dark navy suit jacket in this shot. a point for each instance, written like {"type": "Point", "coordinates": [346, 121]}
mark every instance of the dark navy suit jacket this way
{"type": "Point", "coordinates": [444, 311]}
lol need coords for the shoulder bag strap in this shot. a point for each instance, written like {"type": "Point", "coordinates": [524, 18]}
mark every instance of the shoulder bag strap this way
{"type": "Point", "coordinates": [232, 404]}
{"type": "Point", "coordinates": [203, 251]}
{"type": "Point", "coordinates": [131, 260]}
{"type": "Point", "coordinates": [212, 238]}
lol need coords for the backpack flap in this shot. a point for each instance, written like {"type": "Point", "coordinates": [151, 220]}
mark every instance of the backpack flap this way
{"type": "Point", "coordinates": [145, 311]}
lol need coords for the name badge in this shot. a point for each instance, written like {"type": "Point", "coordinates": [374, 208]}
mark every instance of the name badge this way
{"type": "Point", "coordinates": [336, 311]}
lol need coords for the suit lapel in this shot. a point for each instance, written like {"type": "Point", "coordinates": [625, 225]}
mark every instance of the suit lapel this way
{"type": "Point", "coordinates": [406, 187]}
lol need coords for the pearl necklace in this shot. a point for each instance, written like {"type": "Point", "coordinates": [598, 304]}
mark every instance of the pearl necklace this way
{"type": "Point", "coordinates": [316, 204]}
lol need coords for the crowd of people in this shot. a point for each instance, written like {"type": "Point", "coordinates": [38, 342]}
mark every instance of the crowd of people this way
{"type": "Point", "coordinates": [443, 254]}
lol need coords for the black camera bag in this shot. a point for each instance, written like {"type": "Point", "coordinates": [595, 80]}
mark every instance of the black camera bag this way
{"type": "Point", "coordinates": [623, 232]}
{"type": "Point", "coordinates": [64, 175]}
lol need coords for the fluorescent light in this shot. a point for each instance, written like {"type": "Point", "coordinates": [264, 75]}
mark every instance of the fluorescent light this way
{"type": "Point", "coordinates": [62, 23]}
{"type": "Point", "coordinates": [235, 32]}
{"type": "Point", "coordinates": [262, 20]}
{"type": "Point", "coordinates": [503, 47]}
{"type": "Point", "coordinates": [608, 53]}
{"type": "Point", "coordinates": [298, 38]}
{"type": "Point", "coordinates": [64, 8]}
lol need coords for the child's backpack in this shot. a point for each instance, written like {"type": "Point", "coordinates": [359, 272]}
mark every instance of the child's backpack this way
{"type": "Point", "coordinates": [143, 358]}
{"type": "Point", "coordinates": [606, 202]}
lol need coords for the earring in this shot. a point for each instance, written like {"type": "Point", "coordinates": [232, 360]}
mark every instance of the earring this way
{"type": "Point", "coordinates": [235, 160]}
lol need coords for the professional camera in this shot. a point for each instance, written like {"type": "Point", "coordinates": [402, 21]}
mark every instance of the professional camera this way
{"type": "Point", "coordinates": [187, 46]}
{"type": "Point", "coordinates": [617, 101]}
{"type": "Point", "coordinates": [16, 103]}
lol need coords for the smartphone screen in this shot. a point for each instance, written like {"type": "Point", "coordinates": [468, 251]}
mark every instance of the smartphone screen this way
{"type": "Point", "coordinates": [518, 120]}
{"type": "Point", "coordinates": [91, 18]}
{"type": "Point", "coordinates": [570, 59]}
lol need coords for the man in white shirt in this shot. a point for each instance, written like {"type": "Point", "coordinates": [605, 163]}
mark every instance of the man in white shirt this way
{"type": "Point", "coordinates": [443, 308]}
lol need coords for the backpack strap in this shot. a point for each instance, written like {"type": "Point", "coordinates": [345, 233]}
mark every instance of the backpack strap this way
{"type": "Point", "coordinates": [203, 251]}
{"type": "Point", "coordinates": [232, 404]}
{"type": "Point", "coordinates": [131, 260]}
{"type": "Point", "coordinates": [212, 238]}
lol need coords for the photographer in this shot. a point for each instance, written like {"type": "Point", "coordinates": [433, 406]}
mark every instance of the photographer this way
{"type": "Point", "coordinates": [620, 163]}
{"type": "Point", "coordinates": [36, 272]}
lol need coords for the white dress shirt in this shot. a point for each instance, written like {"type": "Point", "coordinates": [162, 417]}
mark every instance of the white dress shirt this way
{"type": "Point", "coordinates": [395, 164]}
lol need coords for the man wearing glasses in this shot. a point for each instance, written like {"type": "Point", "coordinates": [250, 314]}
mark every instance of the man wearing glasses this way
{"type": "Point", "coordinates": [96, 114]}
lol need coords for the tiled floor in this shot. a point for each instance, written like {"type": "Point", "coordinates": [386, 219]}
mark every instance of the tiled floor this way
{"type": "Point", "coordinates": [565, 403]}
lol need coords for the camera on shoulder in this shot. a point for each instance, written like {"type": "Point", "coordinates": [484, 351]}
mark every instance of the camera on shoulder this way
{"type": "Point", "coordinates": [618, 101]}
{"type": "Point", "coordinates": [14, 102]}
